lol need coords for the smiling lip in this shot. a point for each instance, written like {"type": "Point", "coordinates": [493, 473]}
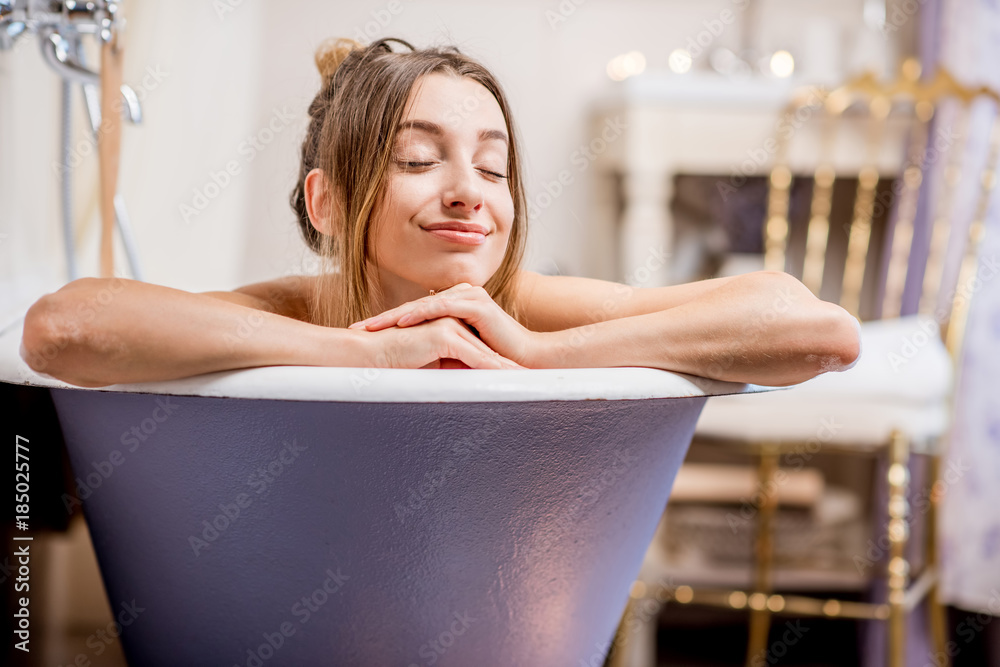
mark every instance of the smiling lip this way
{"type": "Point", "coordinates": [459, 232]}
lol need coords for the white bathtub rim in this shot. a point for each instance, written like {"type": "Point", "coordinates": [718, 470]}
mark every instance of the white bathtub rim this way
{"type": "Point", "coordinates": [380, 385]}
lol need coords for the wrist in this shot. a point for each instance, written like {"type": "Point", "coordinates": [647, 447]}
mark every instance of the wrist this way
{"type": "Point", "coordinates": [333, 346]}
{"type": "Point", "coordinates": [548, 349]}
{"type": "Point", "coordinates": [356, 348]}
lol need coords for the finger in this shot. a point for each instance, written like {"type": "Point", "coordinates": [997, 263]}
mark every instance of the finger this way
{"type": "Point", "coordinates": [426, 308]}
{"type": "Point", "coordinates": [470, 310]}
{"type": "Point", "coordinates": [381, 321]}
{"type": "Point", "coordinates": [473, 356]}
{"type": "Point", "coordinates": [489, 358]}
{"type": "Point", "coordinates": [392, 316]}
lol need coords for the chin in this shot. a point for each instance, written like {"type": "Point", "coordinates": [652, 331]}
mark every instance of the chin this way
{"type": "Point", "coordinates": [447, 278]}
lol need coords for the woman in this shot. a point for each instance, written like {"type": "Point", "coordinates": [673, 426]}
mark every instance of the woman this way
{"type": "Point", "coordinates": [410, 186]}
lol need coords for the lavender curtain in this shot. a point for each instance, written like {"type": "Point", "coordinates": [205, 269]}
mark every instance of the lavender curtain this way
{"type": "Point", "coordinates": [969, 34]}
{"type": "Point", "coordinates": [964, 37]}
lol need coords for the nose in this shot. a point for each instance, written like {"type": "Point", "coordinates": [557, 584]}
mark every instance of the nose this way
{"type": "Point", "coordinates": [462, 192]}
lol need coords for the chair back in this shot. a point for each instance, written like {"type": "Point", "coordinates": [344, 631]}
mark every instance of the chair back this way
{"type": "Point", "coordinates": [903, 249]}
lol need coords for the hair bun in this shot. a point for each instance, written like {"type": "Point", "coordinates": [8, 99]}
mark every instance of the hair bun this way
{"type": "Point", "coordinates": [332, 52]}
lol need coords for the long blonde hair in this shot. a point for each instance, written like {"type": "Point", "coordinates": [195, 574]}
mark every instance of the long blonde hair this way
{"type": "Point", "coordinates": [354, 120]}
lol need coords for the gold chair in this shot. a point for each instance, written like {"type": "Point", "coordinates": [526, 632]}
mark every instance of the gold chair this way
{"type": "Point", "coordinates": [896, 400]}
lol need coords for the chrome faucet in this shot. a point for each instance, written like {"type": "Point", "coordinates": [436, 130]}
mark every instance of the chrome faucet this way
{"type": "Point", "coordinates": [60, 25]}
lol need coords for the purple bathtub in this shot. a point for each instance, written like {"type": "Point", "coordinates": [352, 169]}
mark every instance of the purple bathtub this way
{"type": "Point", "coordinates": [347, 516]}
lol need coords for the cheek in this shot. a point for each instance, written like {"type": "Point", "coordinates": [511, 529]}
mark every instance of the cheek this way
{"type": "Point", "coordinates": [395, 197]}
{"type": "Point", "coordinates": [413, 196]}
{"type": "Point", "coordinates": [504, 207]}
{"type": "Point", "coordinates": [397, 206]}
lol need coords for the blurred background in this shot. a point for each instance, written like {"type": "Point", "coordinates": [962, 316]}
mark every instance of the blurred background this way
{"type": "Point", "coordinates": [649, 131]}
{"type": "Point", "coordinates": [213, 76]}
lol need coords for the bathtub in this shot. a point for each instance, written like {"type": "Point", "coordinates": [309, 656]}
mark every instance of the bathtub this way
{"type": "Point", "coordinates": [348, 516]}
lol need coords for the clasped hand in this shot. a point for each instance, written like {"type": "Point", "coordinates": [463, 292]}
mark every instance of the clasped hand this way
{"type": "Point", "coordinates": [447, 316]}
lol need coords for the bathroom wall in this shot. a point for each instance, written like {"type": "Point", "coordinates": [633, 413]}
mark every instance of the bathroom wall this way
{"type": "Point", "coordinates": [197, 78]}
{"type": "Point", "coordinates": [550, 55]}
{"type": "Point", "coordinates": [214, 75]}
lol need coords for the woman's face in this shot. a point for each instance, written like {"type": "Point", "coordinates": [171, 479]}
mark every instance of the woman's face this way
{"type": "Point", "coordinates": [449, 168]}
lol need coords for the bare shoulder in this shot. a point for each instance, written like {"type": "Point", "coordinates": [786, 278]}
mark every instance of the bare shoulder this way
{"type": "Point", "coordinates": [289, 296]}
{"type": "Point", "coordinates": [554, 303]}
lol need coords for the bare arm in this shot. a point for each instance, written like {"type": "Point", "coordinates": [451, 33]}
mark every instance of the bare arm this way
{"type": "Point", "coordinates": [99, 331]}
{"type": "Point", "coordinates": [763, 328]}
{"type": "Point", "coordinates": [554, 303]}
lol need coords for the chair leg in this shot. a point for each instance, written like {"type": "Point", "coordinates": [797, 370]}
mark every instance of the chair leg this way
{"type": "Point", "coordinates": [622, 643]}
{"type": "Point", "coordinates": [634, 644]}
{"type": "Point", "coordinates": [898, 478]}
{"type": "Point", "coordinates": [939, 624]}
{"type": "Point", "coordinates": [760, 615]}
{"type": "Point", "coordinates": [938, 616]}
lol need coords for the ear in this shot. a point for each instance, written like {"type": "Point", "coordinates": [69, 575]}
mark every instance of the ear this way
{"type": "Point", "coordinates": [317, 197]}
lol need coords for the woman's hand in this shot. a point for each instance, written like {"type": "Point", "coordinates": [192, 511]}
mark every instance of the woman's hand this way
{"type": "Point", "coordinates": [445, 342]}
{"type": "Point", "coordinates": [472, 305]}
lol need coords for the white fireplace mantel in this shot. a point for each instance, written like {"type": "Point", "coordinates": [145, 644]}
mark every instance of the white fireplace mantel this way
{"type": "Point", "coordinates": [700, 123]}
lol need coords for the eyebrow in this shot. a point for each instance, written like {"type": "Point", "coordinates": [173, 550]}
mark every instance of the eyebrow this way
{"type": "Point", "coordinates": [435, 129]}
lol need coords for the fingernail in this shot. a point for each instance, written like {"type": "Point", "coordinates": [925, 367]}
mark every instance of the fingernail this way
{"type": "Point", "coordinates": [358, 325]}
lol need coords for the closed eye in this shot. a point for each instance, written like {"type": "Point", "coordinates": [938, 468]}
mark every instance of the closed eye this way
{"type": "Point", "coordinates": [419, 165]}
